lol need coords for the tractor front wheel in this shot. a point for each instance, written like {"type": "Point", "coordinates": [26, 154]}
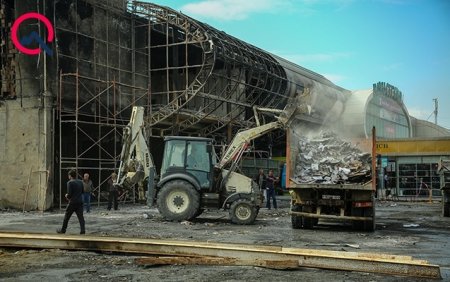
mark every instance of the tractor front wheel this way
{"type": "Point", "coordinates": [242, 211]}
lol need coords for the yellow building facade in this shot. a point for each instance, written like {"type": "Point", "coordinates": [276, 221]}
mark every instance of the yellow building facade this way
{"type": "Point", "coordinates": [409, 166]}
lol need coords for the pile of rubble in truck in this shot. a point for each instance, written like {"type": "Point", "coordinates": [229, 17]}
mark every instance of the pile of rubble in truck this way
{"type": "Point", "coordinates": [327, 159]}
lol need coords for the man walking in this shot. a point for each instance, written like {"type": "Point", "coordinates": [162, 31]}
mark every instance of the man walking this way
{"type": "Point", "coordinates": [74, 191]}
{"type": "Point", "coordinates": [87, 190]}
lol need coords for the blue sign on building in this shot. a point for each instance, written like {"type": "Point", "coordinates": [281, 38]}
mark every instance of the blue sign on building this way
{"type": "Point", "coordinates": [384, 161]}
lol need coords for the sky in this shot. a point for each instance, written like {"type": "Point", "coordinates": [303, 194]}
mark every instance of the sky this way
{"type": "Point", "coordinates": [354, 43]}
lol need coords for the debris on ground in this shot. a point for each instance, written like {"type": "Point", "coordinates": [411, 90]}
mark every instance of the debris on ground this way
{"type": "Point", "coordinates": [146, 216]}
{"type": "Point", "coordinates": [185, 222]}
{"type": "Point", "coordinates": [355, 246]}
{"type": "Point", "coordinates": [411, 225]}
{"type": "Point", "coordinates": [58, 265]}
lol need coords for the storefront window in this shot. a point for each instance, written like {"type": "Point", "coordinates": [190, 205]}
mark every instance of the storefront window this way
{"type": "Point", "coordinates": [418, 179]}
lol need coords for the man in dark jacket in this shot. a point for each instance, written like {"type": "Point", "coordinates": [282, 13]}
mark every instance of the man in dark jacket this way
{"type": "Point", "coordinates": [270, 186]}
{"type": "Point", "coordinates": [74, 192]}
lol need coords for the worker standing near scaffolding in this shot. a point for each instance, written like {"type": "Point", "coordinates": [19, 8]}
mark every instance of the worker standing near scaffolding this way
{"type": "Point", "coordinates": [113, 192]}
{"type": "Point", "coordinates": [87, 190]}
{"type": "Point", "coordinates": [260, 179]}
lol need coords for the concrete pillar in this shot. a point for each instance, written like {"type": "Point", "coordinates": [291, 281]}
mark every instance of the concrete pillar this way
{"type": "Point", "coordinates": [25, 155]}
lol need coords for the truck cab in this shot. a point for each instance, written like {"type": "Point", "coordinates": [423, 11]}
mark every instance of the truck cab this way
{"type": "Point", "coordinates": [189, 158]}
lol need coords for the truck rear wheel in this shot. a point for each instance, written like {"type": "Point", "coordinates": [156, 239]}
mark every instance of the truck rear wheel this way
{"type": "Point", "coordinates": [357, 224]}
{"type": "Point", "coordinates": [178, 200]}
{"type": "Point", "coordinates": [296, 220]}
{"type": "Point", "coordinates": [308, 222]}
{"type": "Point", "coordinates": [242, 211]}
{"type": "Point", "coordinates": [369, 225]}
{"type": "Point", "coordinates": [446, 209]}
{"type": "Point", "coordinates": [445, 203]}
{"type": "Point", "coordinates": [366, 225]}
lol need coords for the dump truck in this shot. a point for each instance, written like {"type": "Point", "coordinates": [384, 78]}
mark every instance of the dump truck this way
{"type": "Point", "coordinates": [311, 202]}
{"type": "Point", "coordinates": [444, 172]}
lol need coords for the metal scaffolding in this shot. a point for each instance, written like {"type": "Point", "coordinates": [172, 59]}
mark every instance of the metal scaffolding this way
{"type": "Point", "coordinates": [97, 86]}
{"type": "Point", "coordinates": [191, 78]}
{"type": "Point", "coordinates": [90, 132]}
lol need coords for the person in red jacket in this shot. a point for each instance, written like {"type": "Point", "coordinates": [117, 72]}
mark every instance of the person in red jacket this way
{"type": "Point", "coordinates": [74, 192]}
{"type": "Point", "coordinates": [270, 192]}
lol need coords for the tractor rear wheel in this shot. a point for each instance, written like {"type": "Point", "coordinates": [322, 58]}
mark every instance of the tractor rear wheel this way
{"type": "Point", "coordinates": [178, 200]}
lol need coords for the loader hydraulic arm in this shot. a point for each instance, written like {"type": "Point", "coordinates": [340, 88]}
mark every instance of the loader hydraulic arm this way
{"type": "Point", "coordinates": [136, 162]}
{"type": "Point", "coordinates": [242, 139]}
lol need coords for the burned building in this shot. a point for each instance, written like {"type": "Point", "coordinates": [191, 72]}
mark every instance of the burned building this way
{"type": "Point", "coordinates": [67, 110]}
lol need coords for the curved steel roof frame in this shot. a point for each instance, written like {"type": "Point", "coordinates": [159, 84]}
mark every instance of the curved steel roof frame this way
{"type": "Point", "coordinates": [258, 77]}
{"type": "Point", "coordinates": [195, 34]}
{"type": "Point", "coordinates": [235, 72]}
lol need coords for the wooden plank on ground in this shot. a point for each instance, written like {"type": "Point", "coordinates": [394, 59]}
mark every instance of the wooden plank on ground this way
{"type": "Point", "coordinates": [272, 264]}
{"type": "Point", "coordinates": [351, 261]}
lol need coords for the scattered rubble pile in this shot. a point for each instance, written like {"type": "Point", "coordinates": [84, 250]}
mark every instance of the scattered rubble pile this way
{"type": "Point", "coordinates": [330, 160]}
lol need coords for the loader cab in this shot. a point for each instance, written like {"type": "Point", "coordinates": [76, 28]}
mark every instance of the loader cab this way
{"type": "Point", "coordinates": [188, 158]}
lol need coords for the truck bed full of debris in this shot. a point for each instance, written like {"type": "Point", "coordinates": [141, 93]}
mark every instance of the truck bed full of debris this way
{"type": "Point", "coordinates": [328, 159]}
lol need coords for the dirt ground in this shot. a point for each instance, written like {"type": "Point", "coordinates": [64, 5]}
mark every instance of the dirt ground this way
{"type": "Point", "coordinates": [403, 228]}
